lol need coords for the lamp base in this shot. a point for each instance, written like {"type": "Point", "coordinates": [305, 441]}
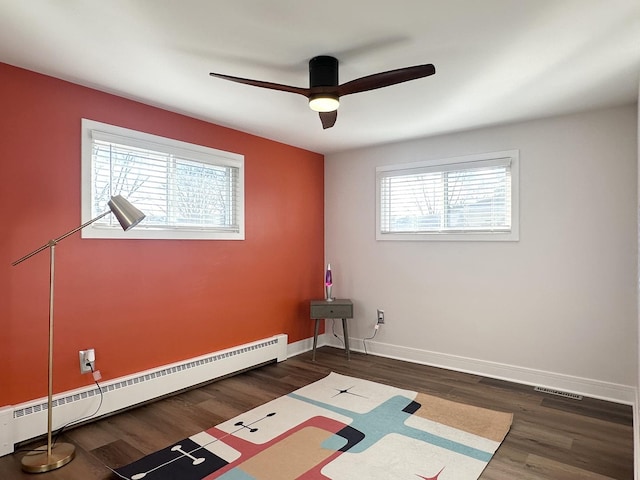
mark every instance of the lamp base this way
{"type": "Point", "coordinates": [327, 291]}
{"type": "Point", "coordinates": [39, 462]}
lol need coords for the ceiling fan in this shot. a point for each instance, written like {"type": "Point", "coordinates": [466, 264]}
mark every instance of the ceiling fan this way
{"type": "Point", "coordinates": [324, 92]}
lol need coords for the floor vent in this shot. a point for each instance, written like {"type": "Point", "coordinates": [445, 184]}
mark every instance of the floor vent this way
{"type": "Point", "coordinates": [558, 393]}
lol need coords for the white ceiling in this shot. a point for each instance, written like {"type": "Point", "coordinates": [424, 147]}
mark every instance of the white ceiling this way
{"type": "Point", "coordinates": [496, 61]}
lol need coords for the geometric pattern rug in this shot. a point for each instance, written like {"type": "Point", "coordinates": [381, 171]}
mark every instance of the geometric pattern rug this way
{"type": "Point", "coordinates": [339, 428]}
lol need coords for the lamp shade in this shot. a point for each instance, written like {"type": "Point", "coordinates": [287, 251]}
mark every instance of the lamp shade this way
{"type": "Point", "coordinates": [128, 215]}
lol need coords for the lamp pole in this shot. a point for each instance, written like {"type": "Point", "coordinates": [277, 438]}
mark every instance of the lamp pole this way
{"type": "Point", "coordinates": [55, 456]}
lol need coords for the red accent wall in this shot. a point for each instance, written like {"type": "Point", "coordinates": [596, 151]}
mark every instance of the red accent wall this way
{"type": "Point", "coordinates": [141, 303]}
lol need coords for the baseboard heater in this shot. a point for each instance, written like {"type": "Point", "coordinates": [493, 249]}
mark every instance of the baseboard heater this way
{"type": "Point", "coordinates": [29, 420]}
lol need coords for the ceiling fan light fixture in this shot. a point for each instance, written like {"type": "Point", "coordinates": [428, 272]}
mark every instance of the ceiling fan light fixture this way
{"type": "Point", "coordinates": [324, 103]}
{"type": "Point", "coordinates": [324, 91]}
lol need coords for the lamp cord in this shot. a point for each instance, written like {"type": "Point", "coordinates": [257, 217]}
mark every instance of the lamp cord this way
{"type": "Point", "coordinates": [87, 417]}
{"type": "Point", "coordinates": [73, 422]}
{"type": "Point", "coordinates": [333, 330]}
{"type": "Point", "coordinates": [364, 340]}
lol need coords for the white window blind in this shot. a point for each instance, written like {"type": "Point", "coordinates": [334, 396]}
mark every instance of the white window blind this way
{"type": "Point", "coordinates": [186, 191]}
{"type": "Point", "coordinates": [458, 197]}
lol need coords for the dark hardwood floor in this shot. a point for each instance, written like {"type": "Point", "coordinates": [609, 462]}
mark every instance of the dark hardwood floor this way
{"type": "Point", "coordinates": [551, 437]}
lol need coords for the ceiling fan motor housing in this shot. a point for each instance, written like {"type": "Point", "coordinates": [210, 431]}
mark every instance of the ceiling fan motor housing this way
{"type": "Point", "coordinates": [323, 71]}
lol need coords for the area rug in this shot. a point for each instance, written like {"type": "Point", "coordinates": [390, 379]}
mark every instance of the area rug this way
{"type": "Point", "coordinates": [337, 428]}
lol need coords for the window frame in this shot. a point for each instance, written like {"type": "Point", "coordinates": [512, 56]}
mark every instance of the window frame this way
{"type": "Point", "coordinates": [449, 164]}
{"type": "Point", "coordinates": [191, 151]}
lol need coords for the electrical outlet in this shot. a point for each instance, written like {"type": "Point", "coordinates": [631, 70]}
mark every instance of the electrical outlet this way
{"type": "Point", "coordinates": [380, 317]}
{"type": "Point", "coordinates": [87, 360]}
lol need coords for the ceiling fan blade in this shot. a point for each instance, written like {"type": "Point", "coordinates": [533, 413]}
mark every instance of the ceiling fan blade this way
{"type": "Point", "coordinates": [259, 83]}
{"type": "Point", "coordinates": [386, 79]}
{"type": "Point", "coordinates": [328, 119]}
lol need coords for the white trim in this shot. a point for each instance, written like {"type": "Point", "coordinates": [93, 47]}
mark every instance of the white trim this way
{"type": "Point", "coordinates": [92, 128]}
{"type": "Point", "coordinates": [6, 431]}
{"type": "Point", "coordinates": [480, 159]}
{"type": "Point", "coordinates": [493, 158]}
{"type": "Point", "coordinates": [306, 345]}
{"type": "Point", "coordinates": [636, 410]}
{"type": "Point", "coordinates": [636, 436]}
{"type": "Point", "coordinates": [587, 387]}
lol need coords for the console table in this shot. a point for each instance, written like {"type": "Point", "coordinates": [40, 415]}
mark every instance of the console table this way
{"type": "Point", "coordinates": [337, 308]}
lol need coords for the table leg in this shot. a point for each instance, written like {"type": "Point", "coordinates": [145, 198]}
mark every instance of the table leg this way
{"type": "Point", "coordinates": [315, 340]}
{"type": "Point", "coordinates": [346, 337]}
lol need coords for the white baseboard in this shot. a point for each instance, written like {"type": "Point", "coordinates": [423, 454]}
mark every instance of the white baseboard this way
{"type": "Point", "coordinates": [29, 420]}
{"type": "Point", "coordinates": [6, 430]}
{"type": "Point", "coordinates": [617, 393]}
{"type": "Point", "coordinates": [306, 345]}
{"type": "Point", "coordinates": [636, 436]}
{"type": "Point", "coordinates": [613, 392]}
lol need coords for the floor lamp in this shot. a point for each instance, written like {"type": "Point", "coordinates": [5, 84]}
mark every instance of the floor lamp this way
{"type": "Point", "coordinates": [58, 455]}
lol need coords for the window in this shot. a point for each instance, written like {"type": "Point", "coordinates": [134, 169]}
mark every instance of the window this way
{"type": "Point", "coordinates": [465, 198]}
{"type": "Point", "coordinates": [186, 191]}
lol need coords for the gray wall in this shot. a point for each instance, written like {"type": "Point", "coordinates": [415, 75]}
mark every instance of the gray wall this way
{"type": "Point", "coordinates": [557, 308]}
